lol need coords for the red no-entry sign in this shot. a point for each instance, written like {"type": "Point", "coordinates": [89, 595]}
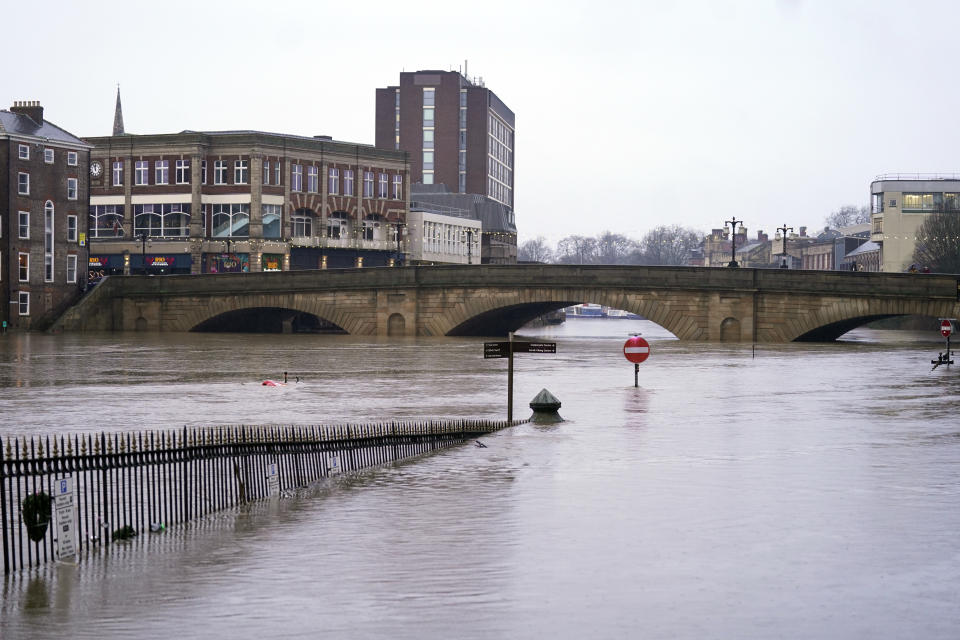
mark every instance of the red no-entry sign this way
{"type": "Point", "coordinates": [636, 349]}
{"type": "Point", "coordinates": [946, 328]}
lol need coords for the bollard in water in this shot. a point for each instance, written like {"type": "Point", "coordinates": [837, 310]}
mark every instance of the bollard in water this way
{"type": "Point", "coordinates": [545, 407]}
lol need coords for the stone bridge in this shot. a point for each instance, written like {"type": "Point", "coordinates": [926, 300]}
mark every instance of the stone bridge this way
{"type": "Point", "coordinates": [694, 303]}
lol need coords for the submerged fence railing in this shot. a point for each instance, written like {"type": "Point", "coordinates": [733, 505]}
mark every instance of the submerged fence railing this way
{"type": "Point", "coordinates": [67, 495]}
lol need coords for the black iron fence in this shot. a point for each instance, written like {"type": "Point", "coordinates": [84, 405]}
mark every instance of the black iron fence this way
{"type": "Point", "coordinates": [124, 484]}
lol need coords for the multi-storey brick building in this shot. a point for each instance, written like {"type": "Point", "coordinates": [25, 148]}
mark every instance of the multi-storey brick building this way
{"type": "Point", "coordinates": [43, 203]}
{"type": "Point", "coordinates": [224, 201]}
{"type": "Point", "coordinates": [459, 134]}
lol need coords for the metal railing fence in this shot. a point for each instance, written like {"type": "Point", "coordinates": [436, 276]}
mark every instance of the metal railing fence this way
{"type": "Point", "coordinates": [150, 480]}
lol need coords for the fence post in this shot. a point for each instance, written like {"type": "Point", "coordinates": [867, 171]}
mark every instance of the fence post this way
{"type": "Point", "coordinates": [3, 508]}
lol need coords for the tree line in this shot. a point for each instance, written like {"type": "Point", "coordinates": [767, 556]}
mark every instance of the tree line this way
{"type": "Point", "coordinates": [664, 245]}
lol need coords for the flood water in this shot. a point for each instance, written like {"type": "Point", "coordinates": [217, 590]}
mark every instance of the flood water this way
{"type": "Point", "coordinates": [789, 491]}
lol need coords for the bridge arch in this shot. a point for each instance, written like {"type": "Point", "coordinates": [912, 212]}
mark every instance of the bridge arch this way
{"type": "Point", "coordinates": [477, 314]}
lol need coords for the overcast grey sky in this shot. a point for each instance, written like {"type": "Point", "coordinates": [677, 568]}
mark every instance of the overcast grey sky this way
{"type": "Point", "coordinates": [629, 114]}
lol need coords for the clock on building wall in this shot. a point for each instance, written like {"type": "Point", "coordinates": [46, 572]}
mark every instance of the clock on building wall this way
{"type": "Point", "coordinates": [96, 169]}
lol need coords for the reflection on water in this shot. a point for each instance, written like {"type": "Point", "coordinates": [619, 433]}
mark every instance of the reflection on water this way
{"type": "Point", "coordinates": [802, 491]}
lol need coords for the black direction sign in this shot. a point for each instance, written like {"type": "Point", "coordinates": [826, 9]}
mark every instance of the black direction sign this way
{"type": "Point", "coordinates": [502, 349]}
{"type": "Point", "coordinates": [496, 349]}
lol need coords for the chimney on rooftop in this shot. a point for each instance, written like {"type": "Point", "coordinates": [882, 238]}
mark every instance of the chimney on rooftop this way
{"type": "Point", "coordinates": [762, 237]}
{"type": "Point", "coordinates": [30, 108]}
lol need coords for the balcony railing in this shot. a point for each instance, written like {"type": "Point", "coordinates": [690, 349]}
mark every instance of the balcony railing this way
{"type": "Point", "coordinates": [917, 176]}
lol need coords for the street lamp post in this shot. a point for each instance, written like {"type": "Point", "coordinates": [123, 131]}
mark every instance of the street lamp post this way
{"type": "Point", "coordinates": [469, 246]}
{"type": "Point", "coordinates": [784, 230]}
{"type": "Point", "coordinates": [143, 250]}
{"type": "Point", "coordinates": [733, 240]}
{"type": "Point", "coordinates": [399, 232]}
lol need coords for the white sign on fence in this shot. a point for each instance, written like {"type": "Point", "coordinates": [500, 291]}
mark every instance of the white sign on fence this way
{"type": "Point", "coordinates": [273, 479]}
{"type": "Point", "coordinates": [333, 465]}
{"type": "Point", "coordinates": [66, 525]}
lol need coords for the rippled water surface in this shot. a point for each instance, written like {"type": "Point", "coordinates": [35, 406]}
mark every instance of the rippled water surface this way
{"type": "Point", "coordinates": [794, 491]}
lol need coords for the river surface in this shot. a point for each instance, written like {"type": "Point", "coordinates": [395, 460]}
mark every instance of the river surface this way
{"type": "Point", "coordinates": [786, 491]}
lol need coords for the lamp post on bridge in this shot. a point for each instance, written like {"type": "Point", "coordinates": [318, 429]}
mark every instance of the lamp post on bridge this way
{"type": "Point", "coordinates": [143, 250]}
{"type": "Point", "coordinates": [733, 240]}
{"type": "Point", "coordinates": [784, 229]}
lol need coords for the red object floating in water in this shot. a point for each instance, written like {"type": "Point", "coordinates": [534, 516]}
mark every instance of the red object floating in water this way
{"type": "Point", "coordinates": [272, 383]}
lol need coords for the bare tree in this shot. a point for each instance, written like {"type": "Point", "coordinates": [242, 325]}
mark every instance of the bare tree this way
{"type": "Point", "coordinates": [577, 250]}
{"type": "Point", "coordinates": [535, 250]}
{"type": "Point", "coordinates": [938, 240]}
{"type": "Point", "coordinates": [668, 245]}
{"type": "Point", "coordinates": [848, 215]}
{"type": "Point", "coordinates": [614, 248]}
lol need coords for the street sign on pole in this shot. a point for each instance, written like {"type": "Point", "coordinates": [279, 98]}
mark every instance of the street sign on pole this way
{"type": "Point", "coordinates": [506, 350]}
{"type": "Point", "coordinates": [636, 350]}
{"type": "Point", "coordinates": [946, 328]}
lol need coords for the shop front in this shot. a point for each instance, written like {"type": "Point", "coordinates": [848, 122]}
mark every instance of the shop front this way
{"type": "Point", "coordinates": [272, 261]}
{"type": "Point", "coordinates": [226, 262]}
{"type": "Point", "coordinates": [99, 266]}
{"type": "Point", "coordinates": [157, 265]}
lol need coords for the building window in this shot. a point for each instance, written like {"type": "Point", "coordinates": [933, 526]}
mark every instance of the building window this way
{"type": "Point", "coordinates": [276, 173]}
{"type": "Point", "coordinates": [428, 138]}
{"type": "Point", "coordinates": [220, 172]}
{"type": "Point", "coordinates": [203, 172]}
{"type": "Point", "coordinates": [398, 187]}
{"type": "Point", "coordinates": [333, 181]}
{"type": "Point", "coordinates": [428, 177]}
{"type": "Point", "coordinates": [23, 151]}
{"type": "Point", "coordinates": [72, 268]}
{"type": "Point", "coordinates": [302, 224]}
{"type": "Point", "coordinates": [72, 158]}
{"type": "Point", "coordinates": [313, 179]}
{"type": "Point", "coordinates": [266, 172]}
{"type": "Point", "coordinates": [23, 184]}
{"type": "Point", "coordinates": [348, 182]}
{"type": "Point", "coordinates": [368, 184]}
{"type": "Point", "coordinates": [428, 160]}
{"type": "Point", "coordinates": [384, 185]}
{"type": "Point", "coordinates": [162, 220]}
{"type": "Point", "coordinates": [48, 242]}
{"type": "Point", "coordinates": [24, 303]}
{"type": "Point", "coordinates": [23, 231]}
{"type": "Point", "coordinates": [428, 116]}
{"type": "Point", "coordinates": [118, 174]}
{"type": "Point", "coordinates": [48, 156]}
{"type": "Point", "coordinates": [271, 220]}
{"type": "Point", "coordinates": [231, 221]}
{"type": "Point", "coordinates": [161, 172]}
{"type": "Point", "coordinates": [24, 275]}
{"type": "Point", "coordinates": [429, 97]}
{"type": "Point", "coordinates": [71, 228]}
{"type": "Point", "coordinates": [183, 172]}
{"type": "Point", "coordinates": [106, 221]}
{"type": "Point", "coordinates": [296, 178]}
{"type": "Point", "coordinates": [140, 172]}
{"type": "Point", "coordinates": [71, 188]}
{"type": "Point", "coordinates": [241, 172]}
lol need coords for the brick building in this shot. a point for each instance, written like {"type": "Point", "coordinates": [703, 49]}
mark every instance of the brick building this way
{"type": "Point", "coordinates": [459, 134]}
{"type": "Point", "coordinates": [43, 201]}
{"type": "Point", "coordinates": [232, 201]}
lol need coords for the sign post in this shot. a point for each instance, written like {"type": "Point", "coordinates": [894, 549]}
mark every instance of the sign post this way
{"type": "Point", "coordinates": [636, 350]}
{"type": "Point", "coordinates": [946, 329]}
{"type": "Point", "coordinates": [506, 350]}
{"type": "Point", "coordinates": [66, 527]}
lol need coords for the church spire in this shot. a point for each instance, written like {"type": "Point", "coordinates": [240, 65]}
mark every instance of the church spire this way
{"type": "Point", "coordinates": [118, 117]}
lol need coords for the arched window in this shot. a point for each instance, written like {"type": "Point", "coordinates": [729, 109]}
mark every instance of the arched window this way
{"type": "Point", "coordinates": [302, 221]}
{"type": "Point", "coordinates": [231, 221]}
{"type": "Point", "coordinates": [372, 229]}
{"type": "Point", "coordinates": [338, 225]}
